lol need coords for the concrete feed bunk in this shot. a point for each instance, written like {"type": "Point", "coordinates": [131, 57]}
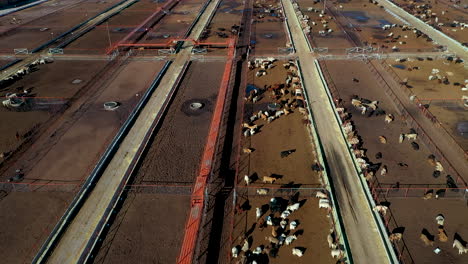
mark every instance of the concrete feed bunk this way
{"type": "Point", "coordinates": [172, 158]}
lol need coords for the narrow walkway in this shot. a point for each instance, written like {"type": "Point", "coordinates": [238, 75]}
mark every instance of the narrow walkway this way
{"type": "Point", "coordinates": [367, 246]}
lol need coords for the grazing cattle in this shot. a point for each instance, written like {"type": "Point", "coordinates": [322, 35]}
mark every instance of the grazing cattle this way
{"type": "Point", "coordinates": [427, 238]}
{"type": "Point", "coordinates": [324, 203]}
{"type": "Point", "coordinates": [290, 239]}
{"type": "Point", "coordinates": [380, 209]}
{"type": "Point", "coordinates": [401, 138]}
{"type": "Point", "coordinates": [273, 232]}
{"type": "Point", "coordinates": [415, 145]}
{"type": "Point", "coordinates": [383, 139]}
{"type": "Point", "coordinates": [258, 213]}
{"type": "Point", "coordinates": [461, 249]}
{"type": "Point", "coordinates": [442, 235]}
{"type": "Point", "coordinates": [267, 179]}
{"type": "Point", "coordinates": [247, 179]}
{"type": "Point", "coordinates": [272, 240]}
{"type": "Point", "coordinates": [283, 224]}
{"type": "Point", "coordinates": [321, 195]}
{"type": "Point", "coordinates": [246, 246]}
{"type": "Point", "coordinates": [298, 252]}
{"type": "Point", "coordinates": [440, 219]}
{"type": "Point", "coordinates": [438, 166]}
{"type": "Point", "coordinates": [354, 141]}
{"type": "Point", "coordinates": [383, 172]}
{"type": "Point", "coordinates": [235, 252]}
{"type": "Point", "coordinates": [411, 136]}
{"type": "Point", "coordinates": [330, 241]}
{"type": "Point", "coordinates": [431, 159]}
{"type": "Point", "coordinates": [336, 253]}
{"type": "Point", "coordinates": [293, 207]}
{"type": "Point", "coordinates": [257, 251]}
{"type": "Point", "coordinates": [293, 225]}
{"type": "Point", "coordinates": [389, 118]}
{"type": "Point", "coordinates": [285, 214]}
{"type": "Point", "coordinates": [262, 191]}
{"type": "Point", "coordinates": [247, 150]}
{"type": "Point", "coordinates": [395, 237]}
{"type": "Point", "coordinates": [279, 113]}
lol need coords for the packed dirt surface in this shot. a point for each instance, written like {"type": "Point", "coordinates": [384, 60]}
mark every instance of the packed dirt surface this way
{"type": "Point", "coordinates": [176, 23]}
{"type": "Point", "coordinates": [444, 15]}
{"type": "Point", "coordinates": [455, 214]}
{"type": "Point", "coordinates": [27, 219]}
{"type": "Point", "coordinates": [148, 229]}
{"type": "Point", "coordinates": [288, 132]}
{"type": "Point", "coordinates": [348, 24]}
{"type": "Point", "coordinates": [269, 33]}
{"type": "Point", "coordinates": [114, 29]}
{"type": "Point", "coordinates": [50, 88]}
{"type": "Point", "coordinates": [443, 97]}
{"type": "Point", "coordinates": [32, 34]}
{"type": "Point", "coordinates": [85, 130]}
{"type": "Point", "coordinates": [404, 164]}
{"type": "Point", "coordinates": [175, 152]}
{"type": "Point", "coordinates": [311, 232]}
{"type": "Point", "coordinates": [222, 26]}
{"type": "Point", "coordinates": [173, 158]}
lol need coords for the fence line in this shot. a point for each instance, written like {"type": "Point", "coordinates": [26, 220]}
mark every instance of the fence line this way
{"type": "Point", "coordinates": [411, 121]}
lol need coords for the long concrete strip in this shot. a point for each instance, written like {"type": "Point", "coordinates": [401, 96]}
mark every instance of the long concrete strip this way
{"type": "Point", "coordinates": [73, 243]}
{"type": "Point", "coordinates": [439, 37]}
{"type": "Point", "coordinates": [360, 225]}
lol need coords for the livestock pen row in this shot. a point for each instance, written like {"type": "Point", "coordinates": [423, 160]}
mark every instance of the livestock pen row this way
{"type": "Point", "coordinates": [379, 155]}
{"type": "Point", "coordinates": [288, 167]}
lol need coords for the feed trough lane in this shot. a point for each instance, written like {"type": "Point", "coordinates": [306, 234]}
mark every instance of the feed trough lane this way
{"type": "Point", "coordinates": [72, 245]}
{"type": "Point", "coordinates": [361, 227]}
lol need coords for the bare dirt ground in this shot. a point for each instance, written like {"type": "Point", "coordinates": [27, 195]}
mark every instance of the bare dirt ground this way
{"type": "Point", "coordinates": [34, 12]}
{"type": "Point", "coordinates": [268, 28]}
{"type": "Point", "coordinates": [416, 170]}
{"type": "Point", "coordinates": [97, 40]}
{"type": "Point", "coordinates": [30, 36]}
{"type": "Point", "coordinates": [70, 148]}
{"type": "Point", "coordinates": [363, 22]}
{"type": "Point", "coordinates": [173, 158]}
{"type": "Point", "coordinates": [453, 11]}
{"type": "Point", "coordinates": [52, 83]}
{"type": "Point", "coordinates": [149, 229]}
{"type": "Point", "coordinates": [370, 128]}
{"type": "Point", "coordinates": [286, 133]}
{"type": "Point", "coordinates": [444, 100]}
{"type": "Point", "coordinates": [176, 150]}
{"type": "Point", "coordinates": [228, 14]}
{"type": "Point", "coordinates": [313, 229]}
{"type": "Point", "coordinates": [27, 219]}
{"type": "Point", "coordinates": [176, 23]}
{"type": "Point", "coordinates": [455, 214]}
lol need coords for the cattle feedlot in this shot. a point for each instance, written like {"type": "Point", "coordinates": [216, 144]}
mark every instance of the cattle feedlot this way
{"type": "Point", "coordinates": [234, 131]}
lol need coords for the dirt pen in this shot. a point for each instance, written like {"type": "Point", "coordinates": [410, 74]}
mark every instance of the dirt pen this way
{"type": "Point", "coordinates": [441, 99]}
{"type": "Point", "coordinates": [408, 174]}
{"type": "Point", "coordinates": [294, 180]}
{"type": "Point", "coordinates": [84, 128]}
{"type": "Point", "coordinates": [36, 32]}
{"type": "Point", "coordinates": [166, 175]}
